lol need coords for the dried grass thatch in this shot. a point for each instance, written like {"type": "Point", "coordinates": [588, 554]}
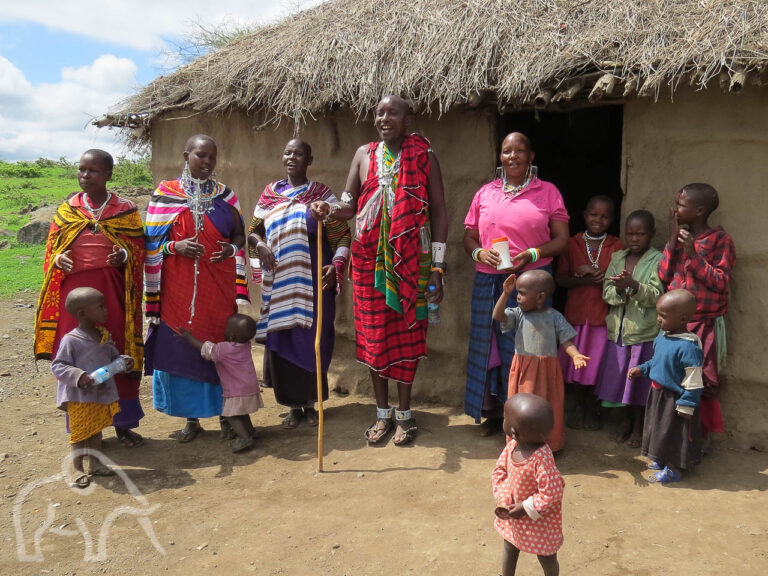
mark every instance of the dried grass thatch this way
{"type": "Point", "coordinates": [443, 53]}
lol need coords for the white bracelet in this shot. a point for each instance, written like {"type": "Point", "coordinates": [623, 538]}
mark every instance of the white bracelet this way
{"type": "Point", "coordinates": [56, 261]}
{"type": "Point", "coordinates": [236, 250]}
{"type": "Point", "coordinates": [125, 254]}
{"type": "Point", "coordinates": [438, 252]}
{"type": "Point", "coordinates": [346, 197]}
{"type": "Point", "coordinates": [332, 208]}
{"type": "Point", "coordinates": [261, 243]}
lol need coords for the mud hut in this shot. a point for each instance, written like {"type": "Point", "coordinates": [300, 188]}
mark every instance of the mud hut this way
{"type": "Point", "coordinates": [632, 99]}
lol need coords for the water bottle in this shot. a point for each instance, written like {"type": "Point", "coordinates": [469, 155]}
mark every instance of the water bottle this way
{"type": "Point", "coordinates": [433, 309]}
{"type": "Point", "coordinates": [101, 375]}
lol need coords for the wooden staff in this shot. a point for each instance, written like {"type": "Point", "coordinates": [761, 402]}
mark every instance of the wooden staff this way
{"type": "Point", "coordinates": [318, 333]}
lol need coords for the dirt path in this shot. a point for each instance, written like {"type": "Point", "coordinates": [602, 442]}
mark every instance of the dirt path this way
{"type": "Point", "coordinates": [425, 509]}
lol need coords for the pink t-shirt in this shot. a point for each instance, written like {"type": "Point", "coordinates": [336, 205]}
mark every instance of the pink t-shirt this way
{"type": "Point", "coordinates": [523, 219]}
{"type": "Point", "coordinates": [234, 364]}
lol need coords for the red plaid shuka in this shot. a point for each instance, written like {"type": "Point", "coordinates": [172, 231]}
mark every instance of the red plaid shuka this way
{"type": "Point", "coordinates": [388, 342]}
{"type": "Point", "coordinates": [707, 275]}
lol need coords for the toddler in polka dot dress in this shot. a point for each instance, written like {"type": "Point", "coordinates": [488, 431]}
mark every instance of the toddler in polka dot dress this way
{"type": "Point", "coordinates": [528, 487]}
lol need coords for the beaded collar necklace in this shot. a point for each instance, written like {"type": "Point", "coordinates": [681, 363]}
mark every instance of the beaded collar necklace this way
{"type": "Point", "coordinates": [95, 212]}
{"type": "Point", "coordinates": [510, 190]}
{"type": "Point", "coordinates": [601, 239]}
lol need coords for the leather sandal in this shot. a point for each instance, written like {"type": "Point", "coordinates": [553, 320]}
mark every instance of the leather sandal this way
{"type": "Point", "coordinates": [407, 434]}
{"type": "Point", "coordinates": [189, 433]}
{"type": "Point", "coordinates": [293, 418]}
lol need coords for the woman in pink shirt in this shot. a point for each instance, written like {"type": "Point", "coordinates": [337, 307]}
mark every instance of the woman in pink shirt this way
{"type": "Point", "coordinates": [531, 214]}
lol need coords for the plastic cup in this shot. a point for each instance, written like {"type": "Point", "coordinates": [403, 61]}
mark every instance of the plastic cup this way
{"type": "Point", "coordinates": [501, 245]}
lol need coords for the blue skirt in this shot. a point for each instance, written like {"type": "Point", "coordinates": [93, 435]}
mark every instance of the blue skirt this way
{"type": "Point", "coordinates": [480, 380]}
{"type": "Point", "coordinates": [180, 396]}
{"type": "Point", "coordinates": [486, 387]}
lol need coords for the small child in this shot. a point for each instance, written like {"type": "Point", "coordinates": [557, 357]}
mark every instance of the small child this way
{"type": "Point", "coordinates": [631, 289]}
{"type": "Point", "coordinates": [528, 487]}
{"type": "Point", "coordinates": [539, 330]}
{"type": "Point", "coordinates": [237, 374]}
{"type": "Point", "coordinates": [89, 406]}
{"type": "Point", "coordinates": [672, 429]}
{"type": "Point", "coordinates": [700, 259]}
{"type": "Point", "coordinates": [581, 270]}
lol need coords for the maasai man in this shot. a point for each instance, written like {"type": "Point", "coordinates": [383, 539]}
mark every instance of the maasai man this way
{"type": "Point", "coordinates": [395, 190]}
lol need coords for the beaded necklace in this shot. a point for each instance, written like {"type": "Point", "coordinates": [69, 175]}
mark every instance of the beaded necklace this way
{"type": "Point", "coordinates": [510, 189]}
{"type": "Point", "coordinates": [200, 196]}
{"type": "Point", "coordinates": [601, 239]}
{"type": "Point", "coordinates": [95, 212]}
{"type": "Point", "coordinates": [387, 167]}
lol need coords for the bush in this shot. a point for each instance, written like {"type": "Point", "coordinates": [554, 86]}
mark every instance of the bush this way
{"type": "Point", "coordinates": [132, 172]}
{"type": "Point", "coordinates": [20, 170]}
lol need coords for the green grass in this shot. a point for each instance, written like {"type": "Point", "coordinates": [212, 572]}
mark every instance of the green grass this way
{"type": "Point", "coordinates": [21, 267]}
{"type": "Point", "coordinates": [24, 184]}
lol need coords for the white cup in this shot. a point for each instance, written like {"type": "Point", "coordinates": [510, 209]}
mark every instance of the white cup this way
{"type": "Point", "coordinates": [501, 245]}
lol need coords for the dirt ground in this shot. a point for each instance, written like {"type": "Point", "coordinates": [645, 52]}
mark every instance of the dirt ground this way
{"type": "Point", "coordinates": [425, 509]}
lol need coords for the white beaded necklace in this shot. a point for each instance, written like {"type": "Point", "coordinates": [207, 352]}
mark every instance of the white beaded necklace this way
{"type": "Point", "coordinates": [601, 238]}
{"type": "Point", "coordinates": [96, 212]}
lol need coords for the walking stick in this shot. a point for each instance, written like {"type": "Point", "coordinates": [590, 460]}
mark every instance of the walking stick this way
{"type": "Point", "coordinates": [318, 333]}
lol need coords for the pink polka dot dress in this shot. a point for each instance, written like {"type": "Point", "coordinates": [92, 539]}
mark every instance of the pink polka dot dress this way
{"type": "Point", "coordinates": [537, 482]}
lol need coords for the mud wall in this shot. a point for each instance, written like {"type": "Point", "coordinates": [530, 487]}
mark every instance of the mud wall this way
{"type": "Point", "coordinates": [722, 139]}
{"type": "Point", "coordinates": [700, 136]}
{"type": "Point", "coordinates": [249, 159]}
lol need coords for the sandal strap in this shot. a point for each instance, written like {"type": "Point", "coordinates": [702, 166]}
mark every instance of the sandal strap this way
{"type": "Point", "coordinates": [384, 413]}
{"type": "Point", "coordinates": [401, 415]}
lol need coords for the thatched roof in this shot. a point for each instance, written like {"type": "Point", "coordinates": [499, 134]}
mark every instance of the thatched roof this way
{"type": "Point", "coordinates": [444, 53]}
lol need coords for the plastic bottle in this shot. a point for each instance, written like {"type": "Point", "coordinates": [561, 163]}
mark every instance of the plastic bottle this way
{"type": "Point", "coordinates": [433, 310]}
{"type": "Point", "coordinates": [101, 375]}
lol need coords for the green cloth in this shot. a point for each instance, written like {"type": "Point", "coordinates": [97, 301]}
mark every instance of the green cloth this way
{"type": "Point", "coordinates": [722, 348]}
{"type": "Point", "coordinates": [635, 315]}
{"type": "Point", "coordinates": [385, 278]}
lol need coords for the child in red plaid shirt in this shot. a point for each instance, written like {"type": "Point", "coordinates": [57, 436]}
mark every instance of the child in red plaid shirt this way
{"type": "Point", "coordinates": [700, 259]}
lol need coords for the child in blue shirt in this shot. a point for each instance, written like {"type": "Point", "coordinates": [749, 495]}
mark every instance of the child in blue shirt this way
{"type": "Point", "coordinates": [672, 429]}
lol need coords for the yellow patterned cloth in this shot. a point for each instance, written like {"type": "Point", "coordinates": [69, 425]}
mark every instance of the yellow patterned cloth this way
{"type": "Point", "coordinates": [87, 419]}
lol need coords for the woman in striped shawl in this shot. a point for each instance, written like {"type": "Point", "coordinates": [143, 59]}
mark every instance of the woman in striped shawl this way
{"type": "Point", "coordinates": [283, 236]}
{"type": "Point", "coordinates": [194, 236]}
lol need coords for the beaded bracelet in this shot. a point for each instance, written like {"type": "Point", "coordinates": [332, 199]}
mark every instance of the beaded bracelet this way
{"type": "Point", "coordinates": [476, 254]}
{"type": "Point", "coordinates": [169, 248]}
{"type": "Point", "coordinates": [535, 254]}
{"type": "Point", "coordinates": [437, 269]}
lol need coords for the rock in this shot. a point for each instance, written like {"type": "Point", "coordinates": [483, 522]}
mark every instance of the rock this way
{"type": "Point", "coordinates": [4, 244]}
{"type": "Point", "coordinates": [35, 232]}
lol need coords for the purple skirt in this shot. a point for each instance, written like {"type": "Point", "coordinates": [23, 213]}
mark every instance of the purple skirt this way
{"type": "Point", "coordinates": [591, 341]}
{"type": "Point", "coordinates": [613, 385]}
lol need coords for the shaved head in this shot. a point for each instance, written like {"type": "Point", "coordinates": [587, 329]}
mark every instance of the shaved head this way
{"type": "Point", "coordinates": [101, 156]}
{"type": "Point", "coordinates": [79, 298]}
{"type": "Point", "coordinates": [538, 281]}
{"type": "Point", "coordinates": [680, 300]}
{"type": "Point", "coordinates": [298, 142]}
{"type": "Point", "coordinates": [531, 417]}
{"type": "Point", "coordinates": [703, 195]}
{"type": "Point", "coordinates": [195, 140]}
{"type": "Point", "coordinates": [520, 136]}
{"type": "Point", "coordinates": [398, 101]}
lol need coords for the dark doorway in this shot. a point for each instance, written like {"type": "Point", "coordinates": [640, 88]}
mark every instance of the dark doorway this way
{"type": "Point", "coordinates": [579, 152]}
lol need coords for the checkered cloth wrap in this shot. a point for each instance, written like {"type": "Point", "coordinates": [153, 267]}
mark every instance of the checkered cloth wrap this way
{"type": "Point", "coordinates": [389, 342]}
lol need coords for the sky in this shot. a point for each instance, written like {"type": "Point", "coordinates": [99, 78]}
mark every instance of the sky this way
{"type": "Point", "coordinates": [65, 62]}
